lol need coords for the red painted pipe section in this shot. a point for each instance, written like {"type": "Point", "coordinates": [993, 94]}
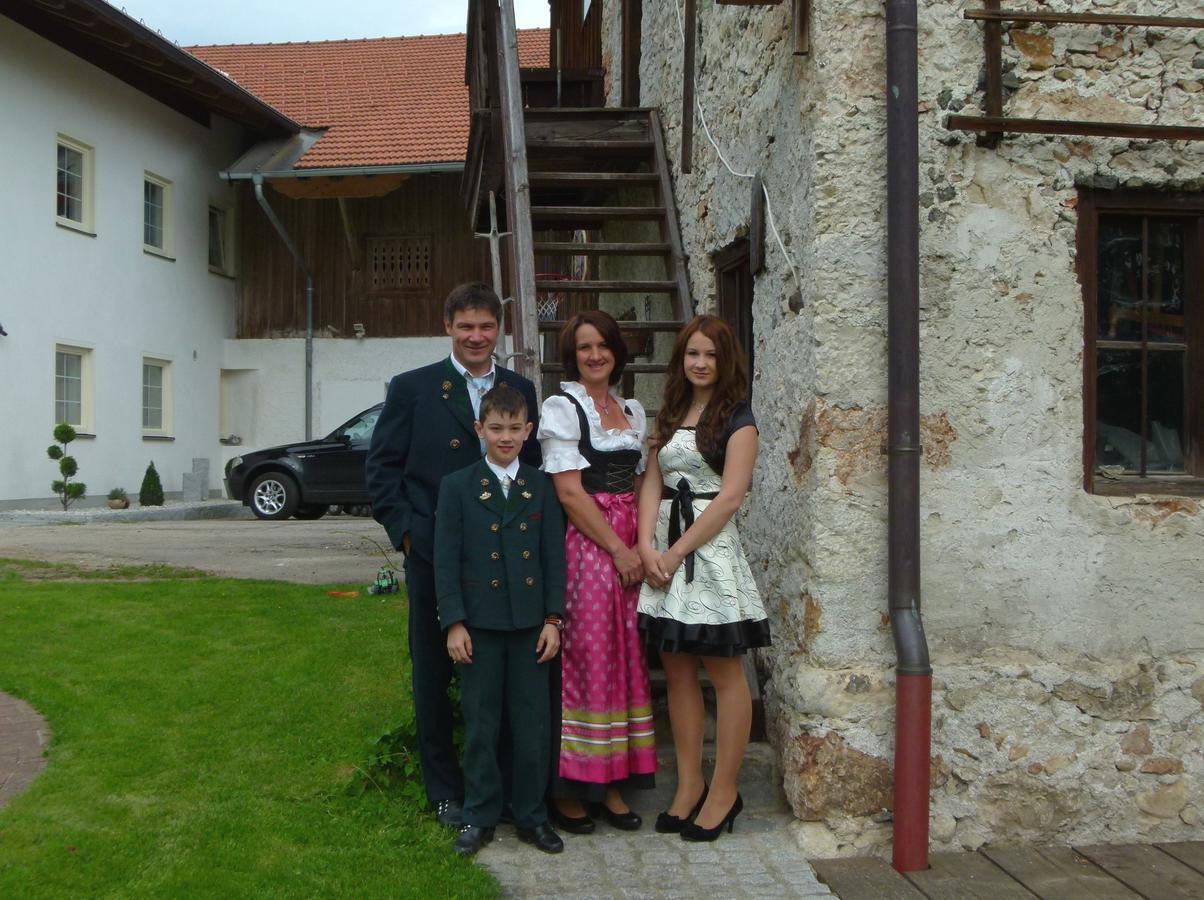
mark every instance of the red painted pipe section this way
{"type": "Point", "coordinates": [913, 740]}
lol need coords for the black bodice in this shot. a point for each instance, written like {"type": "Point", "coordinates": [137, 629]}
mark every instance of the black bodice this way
{"type": "Point", "coordinates": [610, 471]}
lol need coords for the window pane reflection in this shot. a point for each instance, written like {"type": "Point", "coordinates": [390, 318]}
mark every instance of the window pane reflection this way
{"type": "Point", "coordinates": [1118, 411]}
{"type": "Point", "coordinates": [1120, 278]}
{"type": "Point", "coordinates": [1164, 319]}
{"type": "Point", "coordinates": [1165, 431]}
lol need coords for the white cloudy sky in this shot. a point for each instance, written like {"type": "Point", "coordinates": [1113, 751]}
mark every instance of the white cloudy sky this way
{"type": "Point", "coordinates": [261, 21]}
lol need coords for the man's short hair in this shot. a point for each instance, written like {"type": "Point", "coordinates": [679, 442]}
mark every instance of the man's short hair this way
{"type": "Point", "coordinates": [505, 401]}
{"type": "Point", "coordinates": [472, 295]}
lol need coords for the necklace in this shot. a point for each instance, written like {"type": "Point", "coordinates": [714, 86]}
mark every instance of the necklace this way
{"type": "Point", "coordinates": [605, 404]}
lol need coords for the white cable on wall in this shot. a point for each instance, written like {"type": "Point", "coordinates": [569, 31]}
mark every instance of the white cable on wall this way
{"type": "Point", "coordinates": [706, 130]}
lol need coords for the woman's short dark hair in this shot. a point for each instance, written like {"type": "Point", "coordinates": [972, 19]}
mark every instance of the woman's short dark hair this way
{"type": "Point", "coordinates": [472, 295]}
{"type": "Point", "coordinates": [607, 327]}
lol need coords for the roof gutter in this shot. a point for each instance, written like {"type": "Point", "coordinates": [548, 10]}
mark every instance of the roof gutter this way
{"type": "Point", "coordinates": [257, 180]}
{"type": "Point", "coordinates": [346, 171]}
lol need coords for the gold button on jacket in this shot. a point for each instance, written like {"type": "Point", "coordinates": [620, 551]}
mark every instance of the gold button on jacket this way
{"type": "Point", "coordinates": [494, 527]}
{"type": "Point", "coordinates": [454, 443]}
{"type": "Point", "coordinates": [495, 556]}
{"type": "Point", "coordinates": [530, 581]}
{"type": "Point", "coordinates": [526, 554]}
{"type": "Point", "coordinates": [496, 583]}
{"type": "Point", "coordinates": [522, 526]}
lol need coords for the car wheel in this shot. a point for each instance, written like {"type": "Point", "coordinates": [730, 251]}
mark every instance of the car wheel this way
{"type": "Point", "coordinates": [274, 495]}
{"type": "Point", "coordinates": [311, 512]}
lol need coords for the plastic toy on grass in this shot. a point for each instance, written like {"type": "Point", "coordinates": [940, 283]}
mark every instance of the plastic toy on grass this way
{"type": "Point", "coordinates": [386, 582]}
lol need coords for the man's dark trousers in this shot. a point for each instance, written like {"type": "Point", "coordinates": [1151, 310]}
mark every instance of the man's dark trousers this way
{"type": "Point", "coordinates": [504, 680]}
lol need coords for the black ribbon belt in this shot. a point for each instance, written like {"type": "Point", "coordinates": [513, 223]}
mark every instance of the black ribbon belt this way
{"type": "Point", "coordinates": [681, 515]}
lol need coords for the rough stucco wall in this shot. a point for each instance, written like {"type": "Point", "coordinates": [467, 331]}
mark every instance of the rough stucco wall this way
{"type": "Point", "coordinates": [1066, 629]}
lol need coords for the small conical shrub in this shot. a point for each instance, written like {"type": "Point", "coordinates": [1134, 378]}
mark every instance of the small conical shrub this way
{"type": "Point", "coordinates": [151, 493]}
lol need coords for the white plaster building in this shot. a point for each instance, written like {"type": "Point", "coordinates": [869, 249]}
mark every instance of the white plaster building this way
{"type": "Point", "coordinates": [114, 301]}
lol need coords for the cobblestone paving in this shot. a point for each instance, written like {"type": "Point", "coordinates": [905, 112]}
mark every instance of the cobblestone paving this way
{"type": "Point", "coordinates": [759, 859]}
{"type": "Point", "coordinates": [23, 739]}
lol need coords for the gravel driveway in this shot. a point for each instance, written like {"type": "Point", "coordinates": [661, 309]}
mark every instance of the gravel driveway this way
{"type": "Point", "coordinates": [334, 549]}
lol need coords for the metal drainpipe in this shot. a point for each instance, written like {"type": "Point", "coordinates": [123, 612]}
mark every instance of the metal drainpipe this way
{"type": "Point", "coordinates": [257, 180]}
{"type": "Point", "coordinates": [913, 673]}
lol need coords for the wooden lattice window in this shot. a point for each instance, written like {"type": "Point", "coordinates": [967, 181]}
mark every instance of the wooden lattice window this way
{"type": "Point", "coordinates": [399, 264]}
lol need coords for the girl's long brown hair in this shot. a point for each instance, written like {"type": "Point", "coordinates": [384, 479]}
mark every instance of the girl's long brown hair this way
{"type": "Point", "coordinates": [731, 386]}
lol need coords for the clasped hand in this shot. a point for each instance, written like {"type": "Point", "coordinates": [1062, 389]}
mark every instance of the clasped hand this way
{"type": "Point", "coordinates": [628, 565]}
{"type": "Point", "coordinates": [659, 567]}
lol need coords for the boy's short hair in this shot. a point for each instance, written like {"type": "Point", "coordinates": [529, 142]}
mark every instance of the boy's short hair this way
{"type": "Point", "coordinates": [472, 295]}
{"type": "Point", "coordinates": [503, 400]}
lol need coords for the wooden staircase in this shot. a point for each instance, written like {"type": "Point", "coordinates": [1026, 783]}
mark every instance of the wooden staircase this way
{"type": "Point", "coordinates": [602, 173]}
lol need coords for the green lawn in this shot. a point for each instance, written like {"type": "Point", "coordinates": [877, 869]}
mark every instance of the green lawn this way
{"type": "Point", "coordinates": [205, 732]}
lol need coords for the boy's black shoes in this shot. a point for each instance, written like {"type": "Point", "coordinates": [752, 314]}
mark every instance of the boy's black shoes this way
{"type": "Point", "coordinates": [543, 837]}
{"type": "Point", "coordinates": [472, 838]}
{"type": "Point", "coordinates": [449, 812]}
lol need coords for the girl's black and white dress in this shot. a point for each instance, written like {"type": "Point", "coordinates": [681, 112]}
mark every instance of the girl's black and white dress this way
{"type": "Point", "coordinates": [711, 607]}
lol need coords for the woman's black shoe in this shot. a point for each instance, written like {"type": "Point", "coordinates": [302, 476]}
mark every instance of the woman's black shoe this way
{"type": "Point", "coordinates": [694, 832]}
{"type": "Point", "coordinates": [626, 821]}
{"type": "Point", "coordinates": [670, 824]}
{"type": "Point", "coordinates": [571, 824]}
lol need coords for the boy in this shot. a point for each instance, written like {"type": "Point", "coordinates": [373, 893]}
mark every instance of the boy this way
{"type": "Point", "coordinates": [499, 578]}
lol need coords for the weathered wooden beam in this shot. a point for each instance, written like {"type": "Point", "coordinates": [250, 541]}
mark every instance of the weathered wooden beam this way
{"type": "Point", "coordinates": [992, 13]}
{"type": "Point", "coordinates": [756, 227]}
{"type": "Point", "coordinates": [687, 88]}
{"type": "Point", "coordinates": [1087, 129]}
{"type": "Point", "coordinates": [518, 195]}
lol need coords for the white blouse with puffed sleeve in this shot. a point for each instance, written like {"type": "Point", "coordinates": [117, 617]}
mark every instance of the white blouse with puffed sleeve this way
{"type": "Point", "coordinates": [560, 430]}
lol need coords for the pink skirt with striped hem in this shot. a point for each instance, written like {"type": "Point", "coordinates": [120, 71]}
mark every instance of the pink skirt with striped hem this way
{"type": "Point", "coordinates": [606, 733]}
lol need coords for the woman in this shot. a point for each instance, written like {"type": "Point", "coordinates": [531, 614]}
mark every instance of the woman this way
{"type": "Point", "coordinates": [700, 600]}
{"type": "Point", "coordinates": [593, 447]}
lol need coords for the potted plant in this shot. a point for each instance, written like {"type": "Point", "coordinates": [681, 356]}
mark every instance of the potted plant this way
{"type": "Point", "coordinates": [118, 499]}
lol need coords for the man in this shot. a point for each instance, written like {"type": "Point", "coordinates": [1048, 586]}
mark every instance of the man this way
{"type": "Point", "coordinates": [426, 431]}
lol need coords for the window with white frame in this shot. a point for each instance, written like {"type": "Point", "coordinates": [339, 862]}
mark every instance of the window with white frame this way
{"type": "Point", "coordinates": [156, 396]}
{"type": "Point", "coordinates": [220, 259]}
{"type": "Point", "coordinates": [73, 386]}
{"type": "Point", "coordinates": [73, 184]}
{"type": "Point", "coordinates": [156, 214]}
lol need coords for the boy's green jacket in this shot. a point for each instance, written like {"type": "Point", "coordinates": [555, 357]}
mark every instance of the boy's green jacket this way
{"type": "Point", "coordinates": [499, 562]}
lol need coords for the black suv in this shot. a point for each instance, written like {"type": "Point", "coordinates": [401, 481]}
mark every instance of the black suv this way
{"type": "Point", "coordinates": [306, 479]}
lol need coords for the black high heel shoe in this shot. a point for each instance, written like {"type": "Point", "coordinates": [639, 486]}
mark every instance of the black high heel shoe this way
{"type": "Point", "coordinates": [694, 832]}
{"type": "Point", "coordinates": [670, 824]}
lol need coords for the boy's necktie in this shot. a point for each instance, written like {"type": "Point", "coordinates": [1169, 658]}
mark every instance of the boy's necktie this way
{"type": "Point", "coordinates": [506, 482]}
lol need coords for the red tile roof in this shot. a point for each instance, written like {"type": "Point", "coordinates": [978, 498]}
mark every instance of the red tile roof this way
{"type": "Point", "coordinates": [385, 101]}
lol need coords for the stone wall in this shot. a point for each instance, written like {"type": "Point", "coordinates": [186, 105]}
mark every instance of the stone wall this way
{"type": "Point", "coordinates": [1066, 629]}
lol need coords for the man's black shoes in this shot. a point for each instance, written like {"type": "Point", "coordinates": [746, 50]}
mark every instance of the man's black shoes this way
{"type": "Point", "coordinates": [472, 838]}
{"type": "Point", "coordinates": [543, 837]}
{"type": "Point", "coordinates": [449, 813]}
